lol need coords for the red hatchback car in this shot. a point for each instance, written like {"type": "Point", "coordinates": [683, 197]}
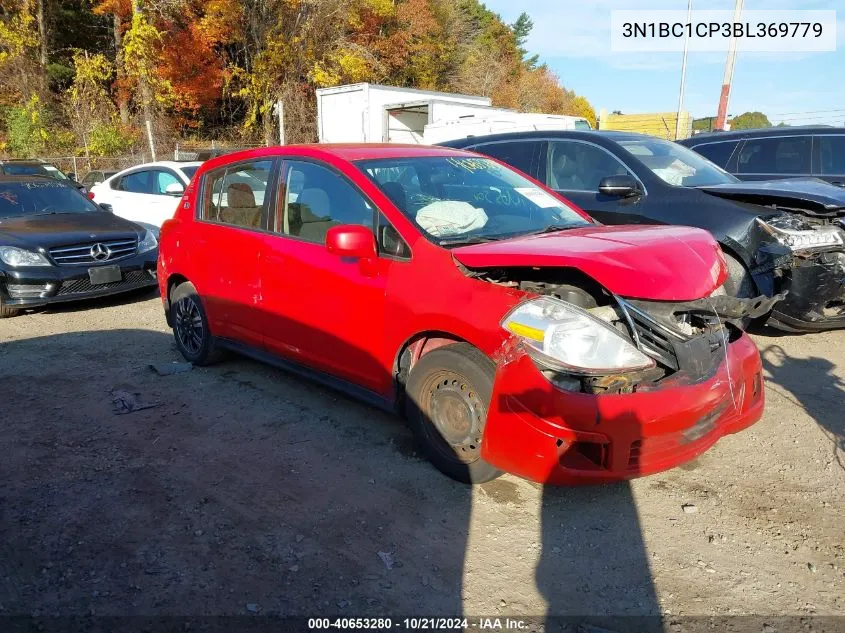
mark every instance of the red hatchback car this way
{"type": "Point", "coordinates": [516, 333]}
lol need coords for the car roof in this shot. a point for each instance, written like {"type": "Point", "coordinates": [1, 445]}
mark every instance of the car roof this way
{"type": "Point", "coordinates": [4, 178]}
{"type": "Point", "coordinates": [612, 135]}
{"type": "Point", "coordinates": [344, 151]}
{"type": "Point", "coordinates": [170, 164]}
{"type": "Point", "coordinates": [24, 161]}
{"type": "Point", "coordinates": [789, 130]}
{"type": "Point", "coordinates": [173, 164]}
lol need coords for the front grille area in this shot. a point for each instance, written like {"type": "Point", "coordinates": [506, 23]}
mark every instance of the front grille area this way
{"type": "Point", "coordinates": [652, 338]}
{"type": "Point", "coordinates": [94, 252]}
{"type": "Point", "coordinates": [135, 278]}
{"type": "Point", "coordinates": [696, 352]}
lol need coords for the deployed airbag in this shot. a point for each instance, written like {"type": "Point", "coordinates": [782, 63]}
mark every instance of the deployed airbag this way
{"type": "Point", "coordinates": [445, 218]}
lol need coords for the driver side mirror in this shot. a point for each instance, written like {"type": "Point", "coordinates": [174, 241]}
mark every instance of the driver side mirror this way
{"type": "Point", "coordinates": [351, 240]}
{"type": "Point", "coordinates": [174, 189]}
{"type": "Point", "coordinates": [619, 186]}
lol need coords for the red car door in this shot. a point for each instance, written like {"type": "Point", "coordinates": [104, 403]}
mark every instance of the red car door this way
{"type": "Point", "coordinates": [227, 240]}
{"type": "Point", "coordinates": [322, 310]}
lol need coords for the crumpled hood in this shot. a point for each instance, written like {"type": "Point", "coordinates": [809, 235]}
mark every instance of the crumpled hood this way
{"type": "Point", "coordinates": [661, 263]}
{"type": "Point", "coordinates": [808, 195]}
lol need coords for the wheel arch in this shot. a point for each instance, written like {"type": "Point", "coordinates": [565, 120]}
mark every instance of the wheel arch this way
{"type": "Point", "coordinates": [172, 281]}
{"type": "Point", "coordinates": [413, 349]}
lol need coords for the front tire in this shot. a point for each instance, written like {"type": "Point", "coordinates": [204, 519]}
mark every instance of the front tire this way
{"type": "Point", "coordinates": [449, 392]}
{"type": "Point", "coordinates": [6, 311]}
{"type": "Point", "coordinates": [740, 284]}
{"type": "Point", "coordinates": [190, 326]}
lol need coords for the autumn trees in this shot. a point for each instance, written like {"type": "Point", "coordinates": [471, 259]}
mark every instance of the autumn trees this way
{"type": "Point", "coordinates": [92, 72]}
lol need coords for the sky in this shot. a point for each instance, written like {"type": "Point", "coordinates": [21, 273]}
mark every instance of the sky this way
{"type": "Point", "coordinates": [573, 38]}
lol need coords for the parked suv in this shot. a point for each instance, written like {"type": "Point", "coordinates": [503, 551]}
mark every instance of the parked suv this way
{"type": "Point", "coordinates": [777, 152]}
{"type": "Point", "coordinates": [783, 239]}
{"type": "Point", "coordinates": [515, 333]}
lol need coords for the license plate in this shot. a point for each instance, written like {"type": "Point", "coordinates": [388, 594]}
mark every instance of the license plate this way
{"type": "Point", "coordinates": [104, 275]}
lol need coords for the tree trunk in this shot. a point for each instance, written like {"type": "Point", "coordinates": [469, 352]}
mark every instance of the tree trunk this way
{"type": "Point", "coordinates": [42, 32]}
{"type": "Point", "coordinates": [122, 100]}
{"type": "Point", "coordinates": [144, 91]}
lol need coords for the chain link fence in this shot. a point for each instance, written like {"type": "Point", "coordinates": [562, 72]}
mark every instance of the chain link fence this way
{"type": "Point", "coordinates": [182, 151]}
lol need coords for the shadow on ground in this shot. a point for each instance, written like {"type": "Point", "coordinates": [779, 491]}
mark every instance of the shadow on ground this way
{"type": "Point", "coordinates": [242, 489]}
{"type": "Point", "coordinates": [813, 385]}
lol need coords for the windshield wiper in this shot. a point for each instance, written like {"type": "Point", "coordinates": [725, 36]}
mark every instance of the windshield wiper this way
{"type": "Point", "coordinates": [553, 228]}
{"type": "Point", "coordinates": [469, 239]}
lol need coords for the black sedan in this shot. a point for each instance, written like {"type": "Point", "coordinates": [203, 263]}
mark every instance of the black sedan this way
{"type": "Point", "coordinates": [56, 245]}
{"type": "Point", "coordinates": [783, 236]}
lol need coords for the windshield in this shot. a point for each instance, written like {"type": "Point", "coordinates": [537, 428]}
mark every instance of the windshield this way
{"type": "Point", "coordinates": [38, 197]}
{"type": "Point", "coordinates": [676, 164]}
{"type": "Point", "coordinates": [582, 124]}
{"type": "Point", "coordinates": [33, 170]}
{"type": "Point", "coordinates": [458, 200]}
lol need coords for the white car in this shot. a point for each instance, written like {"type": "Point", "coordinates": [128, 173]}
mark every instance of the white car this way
{"type": "Point", "coordinates": [147, 194]}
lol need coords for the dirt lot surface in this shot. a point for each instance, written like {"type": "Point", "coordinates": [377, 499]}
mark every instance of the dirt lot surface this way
{"type": "Point", "coordinates": [245, 490]}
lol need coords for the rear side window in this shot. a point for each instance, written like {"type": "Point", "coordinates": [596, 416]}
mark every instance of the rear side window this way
{"type": "Point", "coordinates": [776, 155]}
{"type": "Point", "coordinates": [519, 154]}
{"type": "Point", "coordinates": [719, 153]}
{"type": "Point", "coordinates": [237, 194]}
{"type": "Point", "coordinates": [832, 155]}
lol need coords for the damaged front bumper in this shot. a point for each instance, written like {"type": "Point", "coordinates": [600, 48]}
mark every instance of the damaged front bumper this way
{"type": "Point", "coordinates": [549, 435]}
{"type": "Point", "coordinates": [816, 297]}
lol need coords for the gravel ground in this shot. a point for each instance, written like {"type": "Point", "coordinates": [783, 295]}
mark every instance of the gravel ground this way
{"type": "Point", "coordinates": [244, 490]}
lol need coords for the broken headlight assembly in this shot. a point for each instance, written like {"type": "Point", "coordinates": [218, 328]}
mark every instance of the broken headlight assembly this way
{"type": "Point", "coordinates": [564, 337]}
{"type": "Point", "coordinates": [798, 235]}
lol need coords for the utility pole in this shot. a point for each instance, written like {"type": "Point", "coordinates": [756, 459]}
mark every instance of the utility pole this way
{"type": "Point", "coordinates": [280, 111]}
{"type": "Point", "coordinates": [683, 76]}
{"type": "Point", "coordinates": [721, 117]}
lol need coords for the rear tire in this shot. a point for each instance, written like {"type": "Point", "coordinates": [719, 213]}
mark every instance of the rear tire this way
{"type": "Point", "coordinates": [6, 311]}
{"type": "Point", "coordinates": [190, 326]}
{"type": "Point", "coordinates": [449, 392]}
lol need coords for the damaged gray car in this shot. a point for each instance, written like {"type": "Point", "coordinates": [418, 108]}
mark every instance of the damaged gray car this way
{"type": "Point", "coordinates": [782, 239]}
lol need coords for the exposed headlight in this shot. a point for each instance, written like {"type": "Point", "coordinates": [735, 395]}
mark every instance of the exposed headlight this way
{"type": "Point", "coordinates": [148, 243]}
{"type": "Point", "coordinates": [19, 257]}
{"type": "Point", "coordinates": [562, 336]}
{"type": "Point", "coordinates": [799, 235]}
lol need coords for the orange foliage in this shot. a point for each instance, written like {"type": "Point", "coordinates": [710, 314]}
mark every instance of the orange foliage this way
{"type": "Point", "coordinates": [121, 8]}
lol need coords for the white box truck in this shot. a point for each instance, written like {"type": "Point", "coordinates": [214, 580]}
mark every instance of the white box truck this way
{"type": "Point", "coordinates": [485, 123]}
{"type": "Point", "coordinates": [371, 113]}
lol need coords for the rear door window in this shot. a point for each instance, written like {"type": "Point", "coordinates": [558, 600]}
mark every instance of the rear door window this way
{"type": "Point", "coordinates": [519, 154]}
{"type": "Point", "coordinates": [782, 155]}
{"type": "Point", "coordinates": [237, 194]}
{"type": "Point", "coordinates": [137, 182]}
{"type": "Point", "coordinates": [831, 155]}
{"type": "Point", "coordinates": [719, 153]}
